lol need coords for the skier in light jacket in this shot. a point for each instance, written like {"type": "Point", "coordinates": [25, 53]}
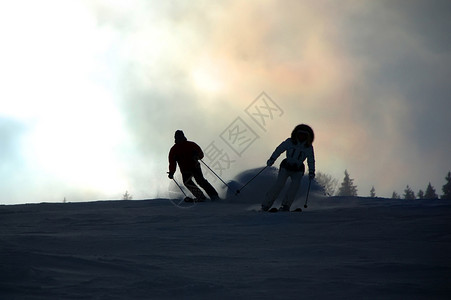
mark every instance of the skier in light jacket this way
{"type": "Point", "coordinates": [298, 148]}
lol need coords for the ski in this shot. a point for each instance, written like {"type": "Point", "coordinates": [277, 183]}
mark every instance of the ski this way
{"type": "Point", "coordinates": [275, 209]}
{"type": "Point", "coordinates": [189, 199]}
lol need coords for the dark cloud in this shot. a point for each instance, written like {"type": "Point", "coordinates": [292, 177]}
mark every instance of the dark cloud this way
{"type": "Point", "coordinates": [428, 19]}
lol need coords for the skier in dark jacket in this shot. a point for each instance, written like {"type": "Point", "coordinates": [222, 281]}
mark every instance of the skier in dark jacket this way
{"type": "Point", "coordinates": [298, 148]}
{"type": "Point", "coordinates": [187, 155]}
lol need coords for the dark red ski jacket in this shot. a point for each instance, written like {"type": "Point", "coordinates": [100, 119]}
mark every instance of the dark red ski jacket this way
{"type": "Point", "coordinates": [186, 154]}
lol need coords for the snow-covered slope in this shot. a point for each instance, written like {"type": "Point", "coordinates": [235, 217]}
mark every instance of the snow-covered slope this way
{"type": "Point", "coordinates": [338, 248]}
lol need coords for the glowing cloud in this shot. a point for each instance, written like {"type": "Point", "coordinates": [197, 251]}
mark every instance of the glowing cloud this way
{"type": "Point", "coordinates": [92, 91]}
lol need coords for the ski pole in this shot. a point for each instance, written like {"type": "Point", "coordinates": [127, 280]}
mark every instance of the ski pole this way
{"type": "Point", "coordinates": [308, 191]}
{"type": "Point", "coordinates": [239, 190]}
{"type": "Point", "coordinates": [179, 187]}
{"type": "Point", "coordinates": [215, 173]}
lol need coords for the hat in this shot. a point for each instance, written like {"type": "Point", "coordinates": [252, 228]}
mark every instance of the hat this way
{"type": "Point", "coordinates": [179, 134]}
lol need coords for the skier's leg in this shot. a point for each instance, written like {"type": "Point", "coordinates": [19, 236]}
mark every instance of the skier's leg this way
{"type": "Point", "coordinates": [194, 189]}
{"type": "Point", "coordinates": [296, 178]}
{"type": "Point", "coordinates": [200, 179]}
{"type": "Point", "coordinates": [272, 194]}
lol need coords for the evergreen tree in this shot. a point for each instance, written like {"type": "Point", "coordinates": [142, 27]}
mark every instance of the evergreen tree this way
{"type": "Point", "coordinates": [127, 196]}
{"type": "Point", "coordinates": [430, 192]}
{"type": "Point", "coordinates": [420, 194]}
{"type": "Point", "coordinates": [447, 188]}
{"type": "Point", "coordinates": [395, 195]}
{"type": "Point", "coordinates": [347, 186]}
{"type": "Point", "coordinates": [408, 193]}
{"type": "Point", "coordinates": [372, 192]}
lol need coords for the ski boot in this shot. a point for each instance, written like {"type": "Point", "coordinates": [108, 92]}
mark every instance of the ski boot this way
{"type": "Point", "coordinates": [284, 208]}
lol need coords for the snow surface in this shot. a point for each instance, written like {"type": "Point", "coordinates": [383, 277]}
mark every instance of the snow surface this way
{"type": "Point", "coordinates": [338, 248]}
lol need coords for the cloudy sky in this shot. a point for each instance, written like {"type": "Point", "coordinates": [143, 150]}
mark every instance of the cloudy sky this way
{"type": "Point", "coordinates": [92, 91]}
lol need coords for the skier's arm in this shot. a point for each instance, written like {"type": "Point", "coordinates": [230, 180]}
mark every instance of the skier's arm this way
{"type": "Point", "coordinates": [311, 162]}
{"type": "Point", "coordinates": [197, 152]}
{"type": "Point", "coordinates": [279, 150]}
{"type": "Point", "coordinates": [172, 162]}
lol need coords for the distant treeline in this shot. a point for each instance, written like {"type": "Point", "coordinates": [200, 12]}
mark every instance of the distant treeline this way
{"type": "Point", "coordinates": [348, 188]}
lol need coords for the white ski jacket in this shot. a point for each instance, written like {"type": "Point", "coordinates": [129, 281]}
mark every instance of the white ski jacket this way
{"type": "Point", "coordinates": [296, 154]}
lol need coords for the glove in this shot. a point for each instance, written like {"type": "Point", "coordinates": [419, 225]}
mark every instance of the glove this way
{"type": "Point", "coordinates": [270, 162]}
{"type": "Point", "coordinates": [170, 175]}
{"type": "Point", "coordinates": [311, 175]}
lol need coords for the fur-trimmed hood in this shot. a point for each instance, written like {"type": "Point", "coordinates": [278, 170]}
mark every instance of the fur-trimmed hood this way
{"type": "Point", "coordinates": [305, 129]}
